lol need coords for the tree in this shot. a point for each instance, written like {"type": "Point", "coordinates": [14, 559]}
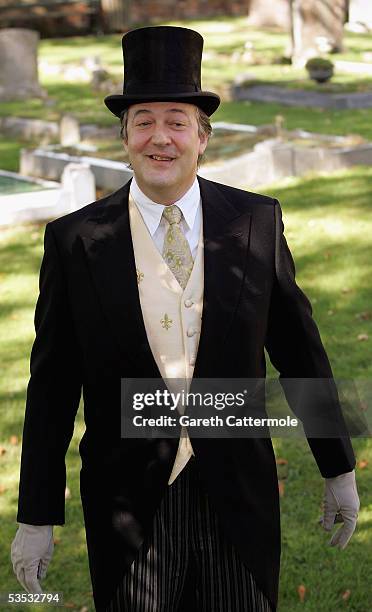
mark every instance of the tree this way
{"type": "Point", "coordinates": [317, 27]}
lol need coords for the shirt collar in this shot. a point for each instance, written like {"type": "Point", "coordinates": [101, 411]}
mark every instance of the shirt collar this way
{"type": "Point", "coordinates": [152, 212]}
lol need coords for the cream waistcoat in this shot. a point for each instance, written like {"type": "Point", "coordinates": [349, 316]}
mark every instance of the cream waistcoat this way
{"type": "Point", "coordinates": [172, 316]}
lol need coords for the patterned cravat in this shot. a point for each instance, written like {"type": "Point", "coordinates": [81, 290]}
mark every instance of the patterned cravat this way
{"type": "Point", "coordinates": [176, 249]}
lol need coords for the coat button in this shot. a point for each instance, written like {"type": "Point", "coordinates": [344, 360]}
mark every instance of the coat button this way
{"type": "Point", "coordinates": [191, 332]}
{"type": "Point", "coordinates": [188, 303]}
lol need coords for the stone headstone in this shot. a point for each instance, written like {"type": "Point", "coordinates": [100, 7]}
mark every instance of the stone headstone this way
{"type": "Point", "coordinates": [317, 28]}
{"type": "Point", "coordinates": [270, 14]}
{"type": "Point", "coordinates": [78, 180]}
{"type": "Point", "coordinates": [18, 64]}
{"type": "Point", "coordinates": [69, 131]}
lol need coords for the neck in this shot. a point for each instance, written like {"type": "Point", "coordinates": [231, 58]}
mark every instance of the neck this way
{"type": "Point", "coordinates": [167, 195]}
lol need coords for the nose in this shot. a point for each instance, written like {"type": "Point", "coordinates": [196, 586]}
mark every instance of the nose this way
{"type": "Point", "coordinates": [160, 136]}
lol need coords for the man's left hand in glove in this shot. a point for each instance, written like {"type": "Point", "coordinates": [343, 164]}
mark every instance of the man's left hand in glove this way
{"type": "Point", "coordinates": [341, 505]}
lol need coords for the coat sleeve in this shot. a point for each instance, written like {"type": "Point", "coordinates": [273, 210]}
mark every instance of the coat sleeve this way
{"type": "Point", "coordinates": [53, 396]}
{"type": "Point", "coordinates": [296, 351]}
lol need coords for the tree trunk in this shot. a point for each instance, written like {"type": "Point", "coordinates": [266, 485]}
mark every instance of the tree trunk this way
{"type": "Point", "coordinates": [317, 28]}
{"type": "Point", "coordinates": [115, 15]}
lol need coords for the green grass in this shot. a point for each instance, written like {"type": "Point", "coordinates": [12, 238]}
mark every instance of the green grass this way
{"type": "Point", "coordinates": [329, 228]}
{"type": "Point", "coordinates": [10, 152]}
{"type": "Point", "coordinates": [223, 37]}
{"type": "Point", "coordinates": [337, 122]}
{"type": "Point", "coordinates": [357, 121]}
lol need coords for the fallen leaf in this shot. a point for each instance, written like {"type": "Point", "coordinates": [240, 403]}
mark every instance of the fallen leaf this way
{"type": "Point", "coordinates": [345, 290]}
{"type": "Point", "coordinates": [69, 604]}
{"type": "Point", "coordinates": [364, 316]}
{"type": "Point", "coordinates": [281, 488]}
{"type": "Point", "coordinates": [362, 337]}
{"type": "Point", "coordinates": [362, 464]}
{"type": "Point", "coordinates": [67, 493]}
{"type": "Point", "coordinates": [281, 461]}
{"type": "Point", "coordinates": [2, 489]}
{"type": "Point", "coordinates": [327, 255]}
{"type": "Point", "coordinates": [301, 590]}
{"type": "Point", "coordinates": [330, 312]}
{"type": "Point", "coordinates": [346, 594]}
{"type": "Point", "coordinates": [14, 440]}
{"type": "Point", "coordinates": [363, 406]}
{"type": "Point", "coordinates": [84, 609]}
{"type": "Point", "coordinates": [56, 540]}
{"type": "Point", "coordinates": [2, 450]}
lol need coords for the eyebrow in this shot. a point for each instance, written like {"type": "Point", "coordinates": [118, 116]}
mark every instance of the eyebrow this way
{"type": "Point", "coordinates": [148, 112]}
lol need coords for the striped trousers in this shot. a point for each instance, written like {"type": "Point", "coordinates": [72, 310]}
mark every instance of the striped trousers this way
{"type": "Point", "coordinates": [186, 564]}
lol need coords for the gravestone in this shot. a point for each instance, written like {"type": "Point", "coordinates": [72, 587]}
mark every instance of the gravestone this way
{"type": "Point", "coordinates": [79, 183]}
{"type": "Point", "coordinates": [270, 14]}
{"type": "Point", "coordinates": [317, 28]}
{"type": "Point", "coordinates": [18, 64]}
{"type": "Point", "coordinates": [69, 131]}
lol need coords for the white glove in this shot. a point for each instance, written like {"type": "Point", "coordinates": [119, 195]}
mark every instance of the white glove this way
{"type": "Point", "coordinates": [31, 552]}
{"type": "Point", "coordinates": [341, 504]}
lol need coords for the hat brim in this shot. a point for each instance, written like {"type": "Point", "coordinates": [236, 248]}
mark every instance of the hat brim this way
{"type": "Point", "coordinates": [206, 100]}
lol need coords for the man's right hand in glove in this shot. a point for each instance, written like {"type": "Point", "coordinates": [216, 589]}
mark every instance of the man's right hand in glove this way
{"type": "Point", "coordinates": [31, 552]}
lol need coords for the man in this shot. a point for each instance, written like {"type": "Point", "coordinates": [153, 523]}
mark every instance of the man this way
{"type": "Point", "coordinates": [171, 277]}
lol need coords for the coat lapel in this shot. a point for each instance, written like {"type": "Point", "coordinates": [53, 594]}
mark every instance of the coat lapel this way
{"type": "Point", "coordinates": [226, 238]}
{"type": "Point", "coordinates": [109, 250]}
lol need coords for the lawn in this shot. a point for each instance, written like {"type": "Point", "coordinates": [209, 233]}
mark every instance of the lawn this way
{"type": "Point", "coordinates": [328, 228]}
{"type": "Point", "coordinates": [223, 38]}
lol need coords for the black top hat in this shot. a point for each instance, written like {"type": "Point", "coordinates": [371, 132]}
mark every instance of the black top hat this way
{"type": "Point", "coordinates": [162, 63]}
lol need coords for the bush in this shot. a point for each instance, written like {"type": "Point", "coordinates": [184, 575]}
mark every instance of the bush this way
{"type": "Point", "coordinates": [319, 63]}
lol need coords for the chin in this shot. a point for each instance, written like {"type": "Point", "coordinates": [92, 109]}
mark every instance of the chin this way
{"type": "Point", "coordinates": [161, 181]}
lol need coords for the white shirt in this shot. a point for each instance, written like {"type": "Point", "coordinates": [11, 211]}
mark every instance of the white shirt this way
{"type": "Point", "coordinates": [152, 214]}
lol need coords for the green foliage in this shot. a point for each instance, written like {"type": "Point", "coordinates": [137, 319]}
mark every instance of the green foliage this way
{"type": "Point", "coordinates": [322, 63]}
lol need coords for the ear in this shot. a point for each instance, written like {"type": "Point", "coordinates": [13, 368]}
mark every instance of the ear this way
{"type": "Point", "coordinates": [203, 139]}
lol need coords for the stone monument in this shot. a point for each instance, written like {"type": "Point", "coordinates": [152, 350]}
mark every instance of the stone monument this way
{"type": "Point", "coordinates": [79, 185]}
{"type": "Point", "coordinates": [270, 14]}
{"type": "Point", "coordinates": [69, 131]}
{"type": "Point", "coordinates": [18, 65]}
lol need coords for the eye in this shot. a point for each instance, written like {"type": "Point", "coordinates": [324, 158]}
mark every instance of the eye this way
{"type": "Point", "coordinates": [143, 123]}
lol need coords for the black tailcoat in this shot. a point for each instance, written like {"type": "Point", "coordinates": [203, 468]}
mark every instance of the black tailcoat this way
{"type": "Point", "coordinates": [90, 333]}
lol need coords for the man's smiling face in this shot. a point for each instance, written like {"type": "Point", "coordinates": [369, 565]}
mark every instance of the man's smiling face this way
{"type": "Point", "coordinates": [163, 144]}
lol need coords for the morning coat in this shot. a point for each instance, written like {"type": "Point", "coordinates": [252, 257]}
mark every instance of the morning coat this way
{"type": "Point", "coordinates": [90, 334]}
